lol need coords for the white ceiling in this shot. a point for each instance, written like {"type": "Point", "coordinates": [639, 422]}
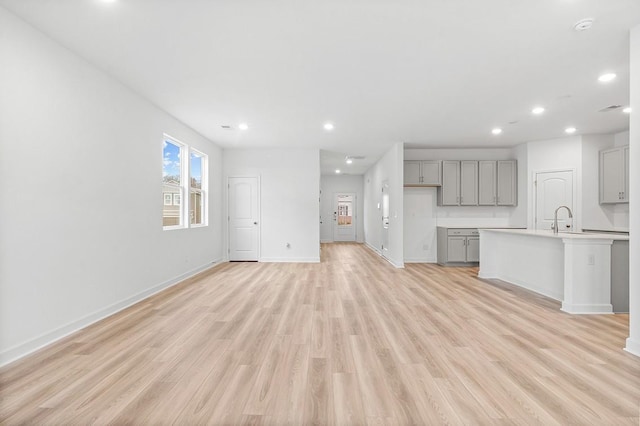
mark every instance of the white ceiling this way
{"type": "Point", "coordinates": [437, 73]}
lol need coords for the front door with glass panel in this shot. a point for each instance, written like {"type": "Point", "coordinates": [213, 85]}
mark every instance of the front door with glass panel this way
{"type": "Point", "coordinates": [344, 217]}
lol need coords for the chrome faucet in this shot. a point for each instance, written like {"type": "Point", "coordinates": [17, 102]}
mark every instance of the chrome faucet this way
{"type": "Point", "coordinates": [555, 218]}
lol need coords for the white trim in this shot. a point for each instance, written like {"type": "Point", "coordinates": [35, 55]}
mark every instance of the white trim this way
{"type": "Point", "coordinates": [289, 260]}
{"type": "Point", "coordinates": [379, 253]}
{"type": "Point", "coordinates": [587, 308]}
{"type": "Point", "coordinates": [520, 283]}
{"type": "Point", "coordinates": [366, 243]}
{"type": "Point", "coordinates": [23, 349]}
{"type": "Point", "coordinates": [419, 261]}
{"type": "Point", "coordinates": [633, 346]}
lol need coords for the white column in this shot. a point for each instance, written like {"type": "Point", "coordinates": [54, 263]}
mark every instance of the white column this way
{"type": "Point", "coordinates": [587, 276]}
{"type": "Point", "coordinates": [633, 342]}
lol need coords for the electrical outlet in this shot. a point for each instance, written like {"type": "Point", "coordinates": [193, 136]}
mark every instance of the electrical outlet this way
{"type": "Point", "coordinates": [591, 260]}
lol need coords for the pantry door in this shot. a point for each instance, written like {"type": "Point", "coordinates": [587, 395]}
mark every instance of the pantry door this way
{"type": "Point", "coordinates": [552, 190]}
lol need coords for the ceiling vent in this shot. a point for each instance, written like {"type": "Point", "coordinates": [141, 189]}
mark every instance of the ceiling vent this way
{"type": "Point", "coordinates": [610, 108]}
{"type": "Point", "coordinates": [356, 157]}
{"type": "Point", "coordinates": [226, 127]}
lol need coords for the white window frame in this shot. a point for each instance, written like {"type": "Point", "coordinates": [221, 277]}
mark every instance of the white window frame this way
{"type": "Point", "coordinates": [184, 189]}
{"type": "Point", "coordinates": [203, 190]}
{"type": "Point", "coordinates": [184, 150]}
{"type": "Point", "coordinates": [167, 197]}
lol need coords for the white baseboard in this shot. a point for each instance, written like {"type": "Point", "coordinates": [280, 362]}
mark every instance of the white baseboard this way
{"type": "Point", "coordinates": [399, 265]}
{"type": "Point", "coordinates": [520, 283]}
{"type": "Point", "coordinates": [633, 346]}
{"type": "Point", "coordinates": [372, 248]}
{"type": "Point", "coordinates": [289, 260]}
{"type": "Point", "coordinates": [420, 261]}
{"type": "Point", "coordinates": [587, 309]}
{"type": "Point", "coordinates": [23, 349]}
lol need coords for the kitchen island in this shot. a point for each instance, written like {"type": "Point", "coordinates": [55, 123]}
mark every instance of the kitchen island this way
{"type": "Point", "coordinates": [574, 268]}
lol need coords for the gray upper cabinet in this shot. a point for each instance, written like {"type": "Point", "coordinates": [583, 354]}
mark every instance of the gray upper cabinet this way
{"type": "Point", "coordinates": [614, 175]}
{"type": "Point", "coordinates": [468, 183]}
{"type": "Point", "coordinates": [487, 180]}
{"type": "Point", "coordinates": [450, 191]}
{"type": "Point", "coordinates": [507, 185]}
{"type": "Point", "coordinates": [426, 172]}
{"type": "Point", "coordinates": [497, 183]}
{"type": "Point", "coordinates": [479, 183]}
{"type": "Point", "coordinates": [412, 173]}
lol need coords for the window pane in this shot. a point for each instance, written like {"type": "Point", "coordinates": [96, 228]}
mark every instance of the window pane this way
{"type": "Point", "coordinates": [195, 208]}
{"type": "Point", "coordinates": [345, 210]}
{"type": "Point", "coordinates": [171, 183]}
{"type": "Point", "coordinates": [171, 210]}
{"type": "Point", "coordinates": [171, 163]}
{"type": "Point", "coordinates": [196, 171]}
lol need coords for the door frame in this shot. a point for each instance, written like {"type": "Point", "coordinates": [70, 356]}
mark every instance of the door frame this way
{"type": "Point", "coordinates": [384, 250]}
{"type": "Point", "coordinates": [533, 218]}
{"type": "Point", "coordinates": [354, 222]}
{"type": "Point", "coordinates": [227, 234]}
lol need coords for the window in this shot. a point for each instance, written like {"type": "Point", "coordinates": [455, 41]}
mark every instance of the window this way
{"type": "Point", "coordinates": [182, 175]}
{"type": "Point", "coordinates": [196, 191]}
{"type": "Point", "coordinates": [172, 171]}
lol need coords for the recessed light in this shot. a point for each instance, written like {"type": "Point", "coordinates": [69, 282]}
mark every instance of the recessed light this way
{"type": "Point", "coordinates": [627, 110]}
{"type": "Point", "coordinates": [349, 161]}
{"type": "Point", "coordinates": [243, 126]}
{"type": "Point", "coordinates": [328, 126]}
{"type": "Point", "coordinates": [496, 131]}
{"type": "Point", "coordinates": [337, 171]}
{"type": "Point", "coordinates": [570, 130]}
{"type": "Point", "coordinates": [606, 78]}
{"type": "Point", "coordinates": [537, 110]}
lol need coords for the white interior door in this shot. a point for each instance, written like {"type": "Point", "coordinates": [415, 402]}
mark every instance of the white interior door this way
{"type": "Point", "coordinates": [344, 217]}
{"type": "Point", "coordinates": [244, 228]}
{"type": "Point", "coordinates": [552, 190]}
{"type": "Point", "coordinates": [385, 219]}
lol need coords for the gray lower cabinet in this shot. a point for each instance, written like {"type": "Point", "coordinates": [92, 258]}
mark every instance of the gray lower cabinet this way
{"type": "Point", "coordinates": [457, 246]}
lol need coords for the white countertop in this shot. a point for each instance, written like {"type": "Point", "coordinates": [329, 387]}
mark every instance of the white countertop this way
{"type": "Point", "coordinates": [561, 235]}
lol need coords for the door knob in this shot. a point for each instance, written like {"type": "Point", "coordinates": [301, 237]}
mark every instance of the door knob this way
{"type": "Point", "coordinates": [255, 223]}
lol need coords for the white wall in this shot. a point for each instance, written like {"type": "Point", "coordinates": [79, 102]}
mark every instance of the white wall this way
{"type": "Point", "coordinates": [81, 205]}
{"type": "Point", "coordinates": [633, 342]}
{"type": "Point", "coordinates": [331, 185]}
{"type": "Point", "coordinates": [556, 154]}
{"type": "Point", "coordinates": [289, 200]}
{"type": "Point", "coordinates": [390, 168]}
{"type": "Point", "coordinates": [420, 224]}
{"type": "Point", "coordinates": [520, 212]}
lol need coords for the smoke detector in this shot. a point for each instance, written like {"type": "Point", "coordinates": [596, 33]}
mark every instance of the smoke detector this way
{"type": "Point", "coordinates": [583, 24]}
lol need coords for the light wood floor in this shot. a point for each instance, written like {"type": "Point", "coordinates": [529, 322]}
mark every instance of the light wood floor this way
{"type": "Point", "coordinates": [348, 341]}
